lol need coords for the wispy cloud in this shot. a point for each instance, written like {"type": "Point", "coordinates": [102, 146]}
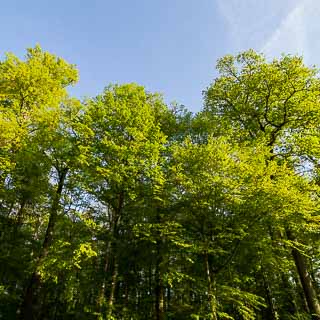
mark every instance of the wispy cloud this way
{"type": "Point", "coordinates": [291, 34]}
{"type": "Point", "coordinates": [258, 24]}
{"type": "Point", "coordinates": [273, 27]}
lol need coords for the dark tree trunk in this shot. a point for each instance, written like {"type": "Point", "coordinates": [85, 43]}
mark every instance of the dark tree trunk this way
{"type": "Point", "coordinates": [159, 288]}
{"type": "Point", "coordinates": [300, 296]}
{"type": "Point", "coordinates": [113, 288]}
{"type": "Point", "coordinates": [30, 307]}
{"type": "Point", "coordinates": [210, 284]}
{"type": "Point", "coordinates": [159, 292]}
{"type": "Point", "coordinates": [101, 297]}
{"type": "Point", "coordinates": [306, 280]}
{"type": "Point", "coordinates": [111, 252]}
{"type": "Point", "coordinates": [271, 304]}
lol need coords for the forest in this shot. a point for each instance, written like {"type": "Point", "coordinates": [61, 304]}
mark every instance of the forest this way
{"type": "Point", "coordinates": [123, 207]}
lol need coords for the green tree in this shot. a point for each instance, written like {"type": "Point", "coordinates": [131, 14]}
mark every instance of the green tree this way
{"type": "Point", "coordinates": [125, 144]}
{"type": "Point", "coordinates": [31, 92]}
{"type": "Point", "coordinates": [274, 104]}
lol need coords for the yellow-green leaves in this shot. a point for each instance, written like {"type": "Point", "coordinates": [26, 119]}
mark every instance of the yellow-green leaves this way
{"type": "Point", "coordinates": [31, 92]}
{"type": "Point", "coordinates": [83, 253]}
{"type": "Point", "coordinates": [126, 140]}
{"type": "Point", "coordinates": [37, 82]}
{"type": "Point", "coordinates": [258, 99]}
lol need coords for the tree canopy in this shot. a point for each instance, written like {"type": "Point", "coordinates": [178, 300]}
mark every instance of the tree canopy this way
{"type": "Point", "coordinates": [123, 207]}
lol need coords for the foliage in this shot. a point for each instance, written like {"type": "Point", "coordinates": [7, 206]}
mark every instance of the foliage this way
{"type": "Point", "coordinates": [120, 207]}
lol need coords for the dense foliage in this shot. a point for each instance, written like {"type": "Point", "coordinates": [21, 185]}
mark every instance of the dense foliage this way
{"type": "Point", "coordinates": [121, 207]}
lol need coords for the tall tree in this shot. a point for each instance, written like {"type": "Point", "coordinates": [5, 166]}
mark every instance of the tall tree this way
{"type": "Point", "coordinates": [274, 104]}
{"type": "Point", "coordinates": [125, 146]}
{"type": "Point", "coordinates": [30, 97]}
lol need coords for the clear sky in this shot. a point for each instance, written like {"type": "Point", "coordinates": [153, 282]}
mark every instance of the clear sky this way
{"type": "Point", "coordinates": [169, 46]}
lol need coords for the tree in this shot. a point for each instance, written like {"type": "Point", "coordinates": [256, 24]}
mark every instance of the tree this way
{"type": "Point", "coordinates": [30, 95]}
{"type": "Point", "coordinates": [275, 104]}
{"type": "Point", "coordinates": [125, 145]}
{"type": "Point", "coordinates": [120, 207]}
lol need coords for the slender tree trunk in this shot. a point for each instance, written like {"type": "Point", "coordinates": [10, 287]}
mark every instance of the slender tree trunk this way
{"type": "Point", "coordinates": [306, 280]}
{"type": "Point", "coordinates": [30, 305]}
{"type": "Point", "coordinates": [113, 288]}
{"type": "Point", "coordinates": [101, 297]}
{"type": "Point", "coordinates": [159, 290]}
{"type": "Point", "coordinates": [273, 312]}
{"type": "Point", "coordinates": [110, 251]}
{"type": "Point", "coordinates": [300, 296]}
{"type": "Point", "coordinates": [295, 301]}
{"type": "Point", "coordinates": [211, 294]}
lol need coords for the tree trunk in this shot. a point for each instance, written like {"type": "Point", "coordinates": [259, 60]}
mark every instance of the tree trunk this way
{"type": "Point", "coordinates": [159, 297]}
{"type": "Point", "coordinates": [101, 297]}
{"type": "Point", "coordinates": [159, 290]}
{"type": "Point", "coordinates": [211, 295]}
{"type": "Point", "coordinates": [300, 296]}
{"type": "Point", "coordinates": [30, 306]}
{"type": "Point", "coordinates": [272, 308]}
{"type": "Point", "coordinates": [306, 280]}
{"type": "Point", "coordinates": [111, 251]}
{"type": "Point", "coordinates": [113, 289]}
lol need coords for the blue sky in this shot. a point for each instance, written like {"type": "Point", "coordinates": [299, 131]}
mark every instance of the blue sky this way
{"type": "Point", "coordinates": [169, 46]}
